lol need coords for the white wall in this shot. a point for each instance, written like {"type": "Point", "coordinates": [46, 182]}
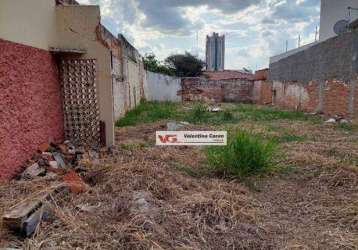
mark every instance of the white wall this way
{"type": "Point", "coordinates": [331, 12]}
{"type": "Point", "coordinates": [158, 87]}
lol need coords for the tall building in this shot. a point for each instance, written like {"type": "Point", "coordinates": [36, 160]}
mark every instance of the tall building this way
{"type": "Point", "coordinates": [215, 52]}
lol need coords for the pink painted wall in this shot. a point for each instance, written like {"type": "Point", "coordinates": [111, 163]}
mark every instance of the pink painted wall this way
{"type": "Point", "coordinates": [30, 104]}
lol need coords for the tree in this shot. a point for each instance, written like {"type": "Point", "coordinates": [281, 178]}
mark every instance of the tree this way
{"type": "Point", "coordinates": [185, 65]}
{"type": "Point", "coordinates": [151, 63]}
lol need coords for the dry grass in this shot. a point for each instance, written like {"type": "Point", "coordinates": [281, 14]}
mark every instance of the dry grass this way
{"type": "Point", "coordinates": [311, 206]}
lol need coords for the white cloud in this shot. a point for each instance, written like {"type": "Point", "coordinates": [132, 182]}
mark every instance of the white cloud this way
{"type": "Point", "coordinates": [254, 29]}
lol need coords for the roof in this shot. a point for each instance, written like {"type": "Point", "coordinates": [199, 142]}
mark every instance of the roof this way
{"type": "Point", "coordinates": [228, 74]}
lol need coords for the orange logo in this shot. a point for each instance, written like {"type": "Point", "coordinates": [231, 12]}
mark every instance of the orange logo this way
{"type": "Point", "coordinates": [168, 138]}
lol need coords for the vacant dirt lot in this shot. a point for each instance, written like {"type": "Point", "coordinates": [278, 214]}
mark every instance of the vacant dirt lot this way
{"type": "Point", "coordinates": [145, 197]}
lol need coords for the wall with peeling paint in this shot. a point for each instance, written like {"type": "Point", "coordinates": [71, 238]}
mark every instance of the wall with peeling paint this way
{"type": "Point", "coordinates": [78, 28]}
{"type": "Point", "coordinates": [322, 78]}
{"type": "Point", "coordinates": [228, 90]}
{"type": "Point", "coordinates": [128, 90]}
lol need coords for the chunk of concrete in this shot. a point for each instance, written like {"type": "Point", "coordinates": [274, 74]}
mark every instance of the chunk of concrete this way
{"type": "Point", "coordinates": [142, 202]}
{"type": "Point", "coordinates": [33, 171]}
{"type": "Point", "coordinates": [214, 109]}
{"type": "Point", "coordinates": [59, 159]}
{"type": "Point", "coordinates": [173, 126]}
{"type": "Point", "coordinates": [331, 120]}
{"type": "Point", "coordinates": [53, 164]}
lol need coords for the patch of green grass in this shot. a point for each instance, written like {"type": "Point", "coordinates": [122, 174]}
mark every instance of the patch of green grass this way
{"type": "Point", "coordinates": [193, 172]}
{"type": "Point", "coordinates": [289, 137]}
{"type": "Point", "coordinates": [347, 127]}
{"type": "Point", "coordinates": [227, 116]}
{"type": "Point", "coordinates": [197, 114]}
{"type": "Point", "coordinates": [246, 154]}
{"type": "Point", "coordinates": [131, 146]}
{"type": "Point", "coordinates": [147, 112]}
{"type": "Point", "coordinates": [257, 113]}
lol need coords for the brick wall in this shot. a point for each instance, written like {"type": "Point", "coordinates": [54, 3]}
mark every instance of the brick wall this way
{"type": "Point", "coordinates": [321, 78]}
{"type": "Point", "coordinates": [336, 98]}
{"type": "Point", "coordinates": [30, 104]}
{"type": "Point", "coordinates": [230, 90]}
{"type": "Point", "coordinates": [262, 92]}
{"type": "Point", "coordinates": [329, 97]}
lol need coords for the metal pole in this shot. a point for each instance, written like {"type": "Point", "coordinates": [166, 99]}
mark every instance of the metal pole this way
{"type": "Point", "coordinates": [316, 34]}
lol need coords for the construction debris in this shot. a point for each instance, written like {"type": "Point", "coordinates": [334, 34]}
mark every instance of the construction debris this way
{"type": "Point", "coordinates": [331, 120]}
{"type": "Point", "coordinates": [174, 126]}
{"type": "Point", "coordinates": [33, 171]}
{"type": "Point", "coordinates": [214, 109]}
{"type": "Point", "coordinates": [26, 215]}
{"type": "Point", "coordinates": [51, 162]}
{"type": "Point", "coordinates": [52, 156]}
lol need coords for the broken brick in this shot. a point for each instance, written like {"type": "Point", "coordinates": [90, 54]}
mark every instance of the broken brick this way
{"type": "Point", "coordinates": [33, 171]}
{"type": "Point", "coordinates": [63, 148]}
{"type": "Point", "coordinates": [44, 147]}
{"type": "Point", "coordinates": [74, 182]}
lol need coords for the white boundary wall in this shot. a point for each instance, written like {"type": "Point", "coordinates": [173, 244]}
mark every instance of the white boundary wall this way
{"type": "Point", "coordinates": [159, 87]}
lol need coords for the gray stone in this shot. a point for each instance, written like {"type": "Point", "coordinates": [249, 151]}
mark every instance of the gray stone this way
{"type": "Point", "coordinates": [214, 109]}
{"type": "Point", "coordinates": [331, 120]}
{"type": "Point", "coordinates": [59, 159]}
{"type": "Point", "coordinates": [185, 123]}
{"type": "Point", "coordinates": [53, 164]}
{"type": "Point", "coordinates": [142, 202]}
{"type": "Point", "coordinates": [33, 171]}
{"type": "Point", "coordinates": [173, 126]}
{"type": "Point", "coordinates": [88, 208]}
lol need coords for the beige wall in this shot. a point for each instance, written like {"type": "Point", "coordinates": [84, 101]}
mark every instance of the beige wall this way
{"type": "Point", "coordinates": [128, 91]}
{"type": "Point", "coordinates": [76, 29]}
{"type": "Point", "coordinates": [28, 22]}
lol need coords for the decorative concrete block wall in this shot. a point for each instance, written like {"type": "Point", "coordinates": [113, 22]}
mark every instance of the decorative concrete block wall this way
{"type": "Point", "coordinates": [30, 104]}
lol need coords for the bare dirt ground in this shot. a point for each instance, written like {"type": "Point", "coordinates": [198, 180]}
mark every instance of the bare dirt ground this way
{"type": "Point", "coordinates": [147, 197]}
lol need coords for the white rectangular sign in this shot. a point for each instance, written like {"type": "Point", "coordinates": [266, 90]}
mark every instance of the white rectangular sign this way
{"type": "Point", "coordinates": [191, 138]}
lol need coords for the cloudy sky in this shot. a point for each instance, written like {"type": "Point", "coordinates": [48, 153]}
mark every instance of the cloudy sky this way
{"type": "Point", "coordinates": [254, 29]}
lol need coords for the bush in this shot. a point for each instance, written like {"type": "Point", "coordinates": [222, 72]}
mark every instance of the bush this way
{"type": "Point", "coordinates": [227, 116]}
{"type": "Point", "coordinates": [246, 154]}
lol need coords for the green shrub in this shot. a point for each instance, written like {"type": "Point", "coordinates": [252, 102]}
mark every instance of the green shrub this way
{"type": "Point", "coordinates": [227, 116]}
{"type": "Point", "coordinates": [347, 127]}
{"type": "Point", "coordinates": [147, 112]}
{"type": "Point", "coordinates": [246, 154]}
{"type": "Point", "coordinates": [198, 114]}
